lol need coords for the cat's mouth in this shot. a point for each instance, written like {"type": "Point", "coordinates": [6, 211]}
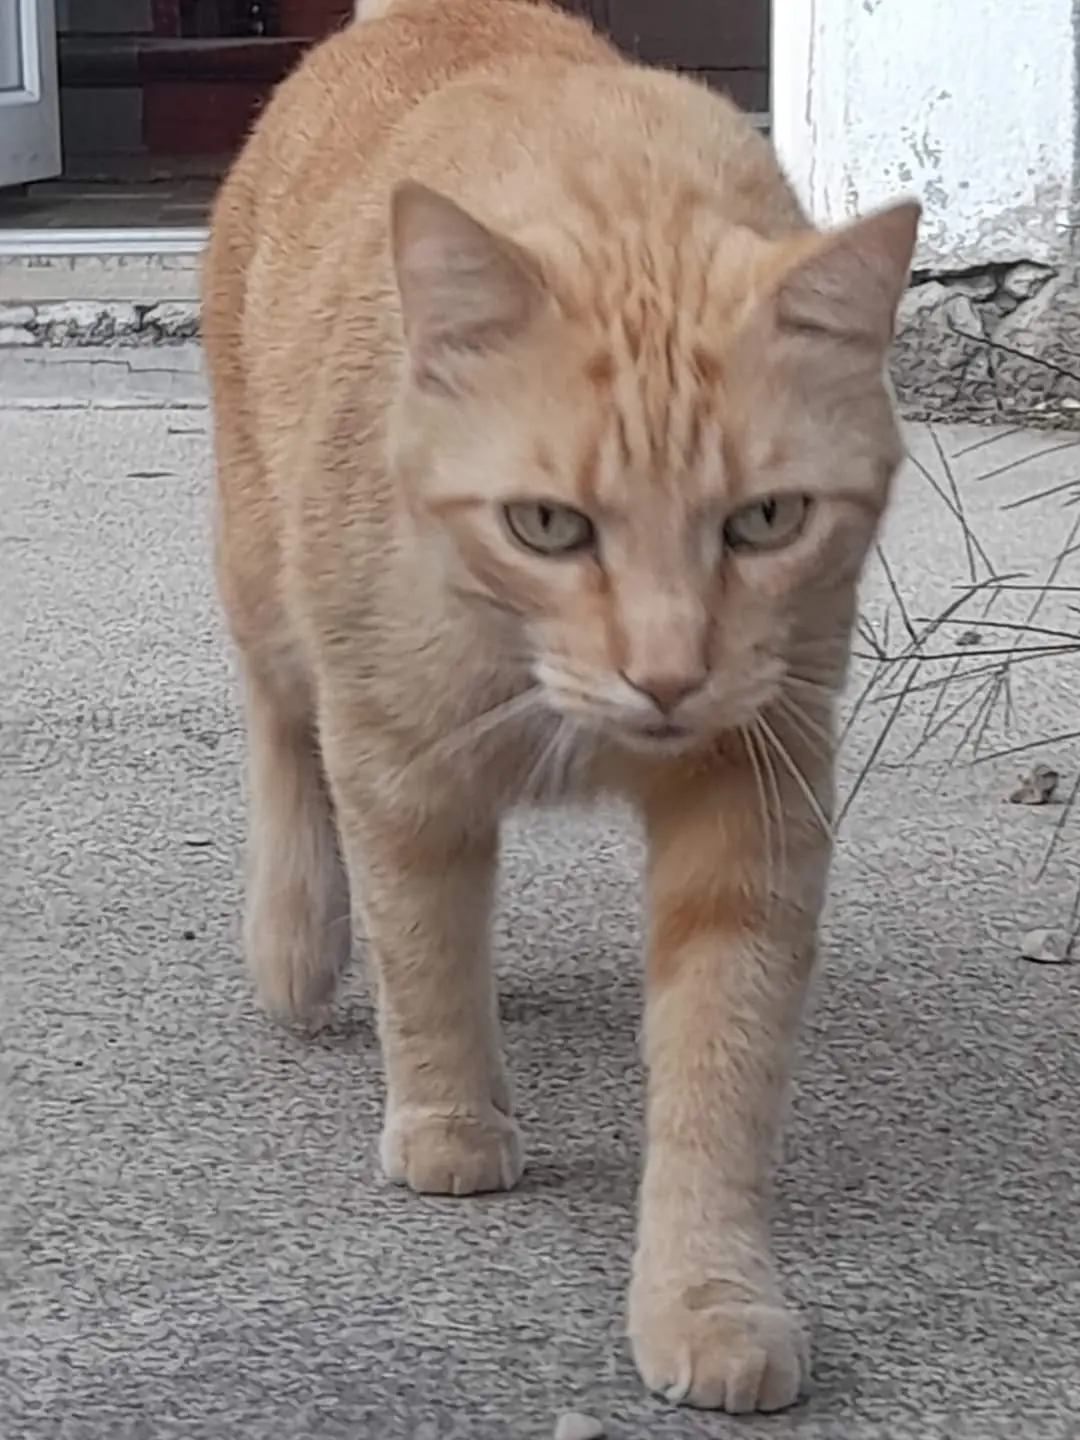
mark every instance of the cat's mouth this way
{"type": "Point", "coordinates": [663, 730]}
{"type": "Point", "coordinates": [657, 736]}
{"type": "Point", "coordinates": [650, 734]}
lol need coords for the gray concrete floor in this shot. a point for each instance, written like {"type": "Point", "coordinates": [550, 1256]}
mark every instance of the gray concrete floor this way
{"type": "Point", "coordinates": [194, 1238]}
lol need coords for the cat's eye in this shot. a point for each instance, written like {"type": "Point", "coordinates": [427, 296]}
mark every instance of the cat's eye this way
{"type": "Point", "coordinates": [548, 528]}
{"type": "Point", "coordinates": [767, 524]}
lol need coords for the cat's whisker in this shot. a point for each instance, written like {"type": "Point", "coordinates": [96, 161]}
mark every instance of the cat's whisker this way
{"type": "Point", "coordinates": [777, 800]}
{"type": "Point", "coordinates": [810, 683]}
{"type": "Point", "coordinates": [478, 727]}
{"type": "Point", "coordinates": [569, 755]}
{"type": "Point", "coordinates": [749, 740]}
{"type": "Point", "coordinates": [488, 720]}
{"type": "Point", "coordinates": [810, 729]}
{"type": "Point", "coordinates": [821, 674]}
{"type": "Point", "coordinates": [784, 755]}
{"type": "Point", "coordinates": [538, 783]}
{"type": "Point", "coordinates": [546, 761]}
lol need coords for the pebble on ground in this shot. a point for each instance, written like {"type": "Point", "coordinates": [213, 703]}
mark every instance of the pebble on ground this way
{"type": "Point", "coordinates": [1046, 947]}
{"type": "Point", "coordinates": [575, 1426]}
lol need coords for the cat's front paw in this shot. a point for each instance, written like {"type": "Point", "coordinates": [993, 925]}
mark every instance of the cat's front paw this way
{"type": "Point", "coordinates": [451, 1154]}
{"type": "Point", "coordinates": [706, 1346]}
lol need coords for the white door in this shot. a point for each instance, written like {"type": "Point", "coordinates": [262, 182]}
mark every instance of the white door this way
{"type": "Point", "coordinates": [29, 92]}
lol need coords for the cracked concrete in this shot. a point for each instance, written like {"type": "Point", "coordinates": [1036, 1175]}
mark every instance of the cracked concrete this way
{"type": "Point", "coordinates": [82, 323]}
{"type": "Point", "coordinates": [1002, 343]}
{"type": "Point", "coordinates": [88, 376]}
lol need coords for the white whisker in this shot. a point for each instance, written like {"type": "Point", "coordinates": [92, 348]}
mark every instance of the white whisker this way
{"type": "Point", "coordinates": [749, 744]}
{"type": "Point", "coordinates": [488, 720]}
{"type": "Point", "coordinates": [808, 682]}
{"type": "Point", "coordinates": [776, 798]}
{"type": "Point", "coordinates": [568, 755]}
{"type": "Point", "coordinates": [811, 731]}
{"type": "Point", "coordinates": [544, 764]}
{"type": "Point", "coordinates": [782, 752]}
{"type": "Point", "coordinates": [477, 728]}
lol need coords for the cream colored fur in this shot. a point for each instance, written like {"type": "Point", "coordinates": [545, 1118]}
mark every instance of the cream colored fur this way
{"type": "Point", "coordinates": [477, 285]}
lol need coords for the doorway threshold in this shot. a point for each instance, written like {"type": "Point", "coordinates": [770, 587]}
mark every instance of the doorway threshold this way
{"type": "Point", "coordinates": [97, 241]}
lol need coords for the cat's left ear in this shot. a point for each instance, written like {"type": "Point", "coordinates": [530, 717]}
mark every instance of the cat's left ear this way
{"type": "Point", "coordinates": [850, 283]}
{"type": "Point", "coordinates": [465, 291]}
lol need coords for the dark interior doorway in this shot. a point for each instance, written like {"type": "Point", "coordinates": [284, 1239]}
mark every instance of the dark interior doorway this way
{"type": "Point", "coordinates": [156, 95]}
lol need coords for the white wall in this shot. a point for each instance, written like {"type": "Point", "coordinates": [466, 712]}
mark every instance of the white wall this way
{"type": "Point", "coordinates": [969, 104]}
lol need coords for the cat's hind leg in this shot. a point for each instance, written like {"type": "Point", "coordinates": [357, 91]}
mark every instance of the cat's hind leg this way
{"type": "Point", "coordinates": [297, 927]}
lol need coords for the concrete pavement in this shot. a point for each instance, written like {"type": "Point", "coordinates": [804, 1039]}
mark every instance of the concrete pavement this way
{"type": "Point", "coordinates": [194, 1239]}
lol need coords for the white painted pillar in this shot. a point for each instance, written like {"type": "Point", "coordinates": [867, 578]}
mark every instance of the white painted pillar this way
{"type": "Point", "coordinates": [969, 104]}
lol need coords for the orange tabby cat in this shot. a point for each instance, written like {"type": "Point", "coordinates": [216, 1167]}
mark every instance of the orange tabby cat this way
{"type": "Point", "coordinates": [550, 441]}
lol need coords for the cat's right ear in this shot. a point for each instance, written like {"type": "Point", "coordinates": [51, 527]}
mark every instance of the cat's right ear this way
{"type": "Point", "coordinates": [465, 291]}
{"type": "Point", "coordinates": [849, 284]}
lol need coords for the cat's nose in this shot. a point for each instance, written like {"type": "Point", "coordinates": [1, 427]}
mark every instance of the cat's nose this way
{"type": "Point", "coordinates": [667, 691]}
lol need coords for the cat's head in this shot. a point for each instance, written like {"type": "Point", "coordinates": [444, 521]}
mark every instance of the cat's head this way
{"type": "Point", "coordinates": [666, 455]}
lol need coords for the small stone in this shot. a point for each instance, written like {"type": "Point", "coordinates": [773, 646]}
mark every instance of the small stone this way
{"type": "Point", "coordinates": [1046, 947]}
{"type": "Point", "coordinates": [977, 287]}
{"type": "Point", "coordinates": [172, 319]}
{"type": "Point", "coordinates": [197, 840]}
{"type": "Point", "coordinates": [1037, 787]}
{"type": "Point", "coordinates": [189, 934]}
{"type": "Point", "coordinates": [970, 637]}
{"type": "Point", "coordinates": [1024, 281]}
{"type": "Point", "coordinates": [574, 1426]}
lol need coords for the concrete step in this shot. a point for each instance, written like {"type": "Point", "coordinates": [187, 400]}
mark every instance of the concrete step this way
{"type": "Point", "coordinates": [102, 377]}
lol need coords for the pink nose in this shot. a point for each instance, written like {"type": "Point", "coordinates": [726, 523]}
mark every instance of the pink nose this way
{"type": "Point", "coordinates": [667, 692]}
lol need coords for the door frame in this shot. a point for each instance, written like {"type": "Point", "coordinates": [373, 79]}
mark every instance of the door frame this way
{"type": "Point", "coordinates": [30, 141]}
{"type": "Point", "coordinates": [17, 242]}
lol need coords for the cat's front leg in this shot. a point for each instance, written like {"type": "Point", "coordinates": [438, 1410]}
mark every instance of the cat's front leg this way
{"type": "Point", "coordinates": [425, 875]}
{"type": "Point", "coordinates": [734, 902]}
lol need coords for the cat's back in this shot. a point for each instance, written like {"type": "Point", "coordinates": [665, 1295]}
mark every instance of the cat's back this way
{"type": "Point", "coordinates": [328, 127]}
{"type": "Point", "coordinates": [334, 115]}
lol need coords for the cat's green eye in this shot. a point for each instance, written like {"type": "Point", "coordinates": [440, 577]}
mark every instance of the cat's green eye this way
{"type": "Point", "coordinates": [548, 528]}
{"type": "Point", "coordinates": [768, 524]}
